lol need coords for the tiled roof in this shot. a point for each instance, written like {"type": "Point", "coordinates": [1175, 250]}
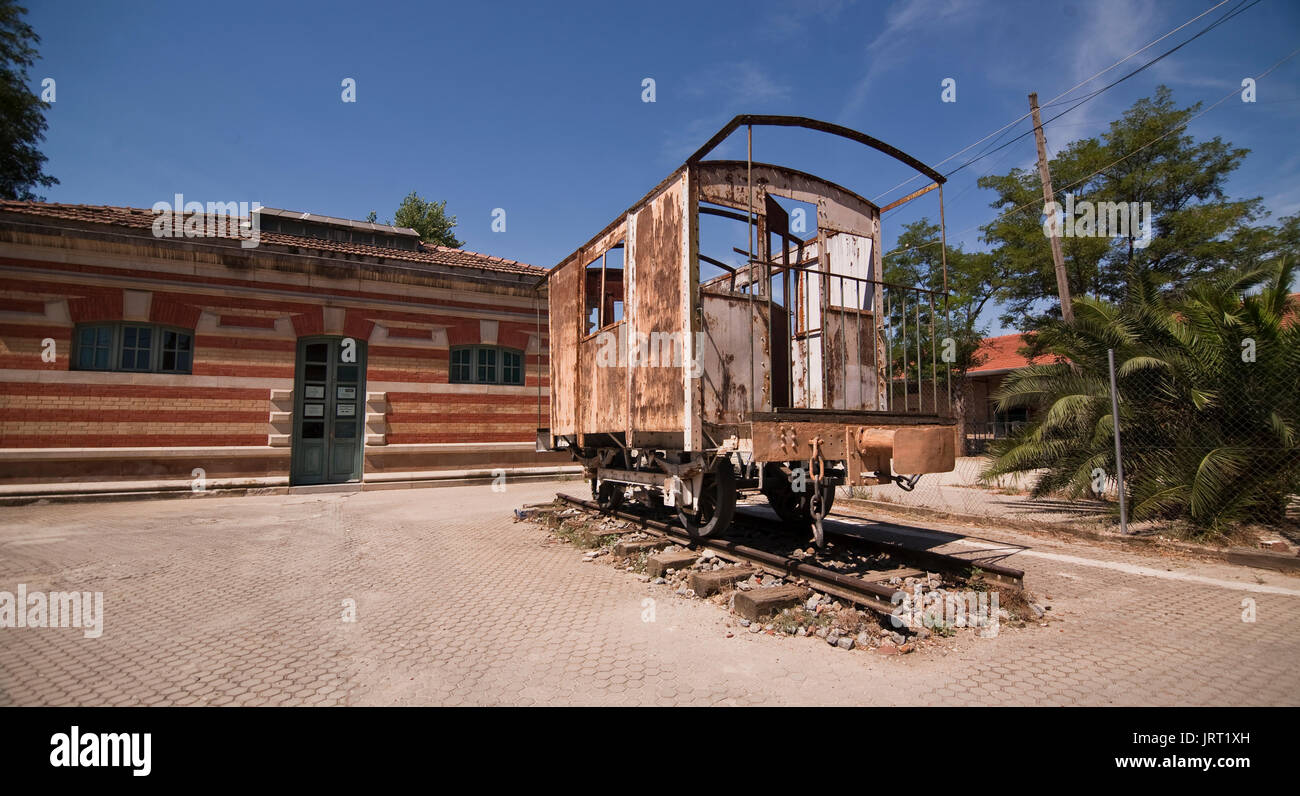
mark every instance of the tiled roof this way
{"type": "Point", "coordinates": [138, 218]}
{"type": "Point", "coordinates": [999, 354]}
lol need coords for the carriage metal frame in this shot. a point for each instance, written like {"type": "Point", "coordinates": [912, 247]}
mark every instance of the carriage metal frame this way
{"type": "Point", "coordinates": [776, 375]}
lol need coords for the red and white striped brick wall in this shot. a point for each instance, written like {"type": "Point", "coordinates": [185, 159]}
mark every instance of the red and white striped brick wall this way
{"type": "Point", "coordinates": [246, 329]}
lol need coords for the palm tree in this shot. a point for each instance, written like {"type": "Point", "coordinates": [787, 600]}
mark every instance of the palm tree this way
{"type": "Point", "coordinates": [1209, 384]}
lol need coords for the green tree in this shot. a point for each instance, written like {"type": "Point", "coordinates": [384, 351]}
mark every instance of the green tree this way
{"type": "Point", "coordinates": [974, 279]}
{"type": "Point", "coordinates": [1196, 228]}
{"type": "Point", "coordinates": [429, 218]}
{"type": "Point", "coordinates": [22, 113]}
{"type": "Point", "coordinates": [1209, 384]}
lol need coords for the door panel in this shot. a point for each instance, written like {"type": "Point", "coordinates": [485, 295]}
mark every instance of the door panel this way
{"type": "Point", "coordinates": [329, 410]}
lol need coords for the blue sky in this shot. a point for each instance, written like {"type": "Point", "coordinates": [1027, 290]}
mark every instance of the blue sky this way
{"type": "Point", "coordinates": [537, 107]}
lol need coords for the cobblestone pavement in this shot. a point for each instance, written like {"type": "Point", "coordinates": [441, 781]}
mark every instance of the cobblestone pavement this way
{"type": "Point", "coordinates": [239, 601]}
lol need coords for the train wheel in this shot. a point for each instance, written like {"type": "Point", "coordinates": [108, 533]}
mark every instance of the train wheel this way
{"type": "Point", "coordinates": [608, 495]}
{"type": "Point", "coordinates": [795, 508]}
{"type": "Point", "coordinates": [789, 505]}
{"type": "Point", "coordinates": [780, 496]}
{"type": "Point", "coordinates": [717, 503]}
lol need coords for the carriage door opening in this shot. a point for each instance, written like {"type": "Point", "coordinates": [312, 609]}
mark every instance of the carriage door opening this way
{"type": "Point", "coordinates": [790, 234]}
{"type": "Point", "coordinates": [778, 288]}
{"type": "Point", "coordinates": [328, 411]}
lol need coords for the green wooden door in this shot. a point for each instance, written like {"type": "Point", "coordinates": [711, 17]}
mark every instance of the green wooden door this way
{"type": "Point", "coordinates": [329, 410]}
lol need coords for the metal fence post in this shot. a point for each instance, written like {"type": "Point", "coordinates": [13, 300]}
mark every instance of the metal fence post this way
{"type": "Point", "coordinates": [1119, 457]}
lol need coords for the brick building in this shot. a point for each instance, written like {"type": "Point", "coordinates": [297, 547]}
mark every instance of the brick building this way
{"type": "Point", "coordinates": [333, 351]}
{"type": "Point", "coordinates": [998, 356]}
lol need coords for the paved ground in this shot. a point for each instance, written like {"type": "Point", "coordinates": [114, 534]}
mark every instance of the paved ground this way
{"type": "Point", "coordinates": [239, 601]}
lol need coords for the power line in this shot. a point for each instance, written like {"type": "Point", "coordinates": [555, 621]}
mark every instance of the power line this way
{"type": "Point", "coordinates": [987, 151]}
{"type": "Point", "coordinates": [1013, 122]}
{"type": "Point", "coordinates": [1240, 8]}
{"type": "Point", "coordinates": [1117, 161]}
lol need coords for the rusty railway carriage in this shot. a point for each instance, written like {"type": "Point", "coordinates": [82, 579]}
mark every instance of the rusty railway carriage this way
{"type": "Point", "coordinates": [684, 377]}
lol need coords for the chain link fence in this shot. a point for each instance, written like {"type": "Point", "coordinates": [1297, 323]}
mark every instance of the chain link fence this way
{"type": "Point", "coordinates": [1209, 450]}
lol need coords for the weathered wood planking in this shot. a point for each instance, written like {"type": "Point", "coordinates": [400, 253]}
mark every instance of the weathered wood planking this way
{"type": "Point", "coordinates": [658, 389]}
{"type": "Point", "coordinates": [565, 315]}
{"type": "Point", "coordinates": [730, 340]}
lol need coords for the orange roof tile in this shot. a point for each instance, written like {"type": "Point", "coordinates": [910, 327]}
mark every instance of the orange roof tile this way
{"type": "Point", "coordinates": [998, 355]}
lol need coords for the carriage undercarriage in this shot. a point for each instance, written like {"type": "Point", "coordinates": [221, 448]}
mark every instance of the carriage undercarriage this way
{"type": "Point", "coordinates": [794, 462]}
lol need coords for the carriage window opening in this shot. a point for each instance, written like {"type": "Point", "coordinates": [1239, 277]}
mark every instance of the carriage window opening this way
{"type": "Point", "coordinates": [723, 247]}
{"type": "Point", "coordinates": [614, 286]}
{"type": "Point", "coordinates": [591, 292]}
{"type": "Point", "coordinates": [603, 290]}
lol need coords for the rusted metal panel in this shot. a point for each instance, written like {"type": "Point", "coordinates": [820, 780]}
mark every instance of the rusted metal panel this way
{"type": "Point", "coordinates": [913, 195]}
{"type": "Point", "coordinates": [599, 400]}
{"type": "Point", "coordinates": [692, 385]}
{"type": "Point", "coordinates": [867, 455]}
{"type": "Point", "coordinates": [924, 450]}
{"type": "Point", "coordinates": [850, 374]}
{"type": "Point", "coordinates": [793, 441]}
{"type": "Point", "coordinates": [587, 377]}
{"type": "Point", "coordinates": [850, 377]}
{"type": "Point", "coordinates": [657, 394]}
{"type": "Point", "coordinates": [565, 315]}
{"type": "Point", "coordinates": [809, 354]}
{"type": "Point", "coordinates": [725, 182]}
{"type": "Point", "coordinates": [913, 448]}
{"type": "Point", "coordinates": [849, 255]}
{"type": "Point", "coordinates": [629, 320]}
{"type": "Point", "coordinates": [727, 334]}
{"type": "Point", "coordinates": [608, 382]}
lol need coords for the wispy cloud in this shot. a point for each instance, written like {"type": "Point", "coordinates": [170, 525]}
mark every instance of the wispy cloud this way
{"type": "Point", "coordinates": [783, 20]}
{"type": "Point", "coordinates": [1104, 33]}
{"type": "Point", "coordinates": [732, 88]}
{"type": "Point", "coordinates": [737, 83]}
{"type": "Point", "coordinates": [900, 40]}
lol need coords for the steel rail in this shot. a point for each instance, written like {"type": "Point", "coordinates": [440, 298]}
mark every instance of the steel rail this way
{"type": "Point", "coordinates": [866, 593]}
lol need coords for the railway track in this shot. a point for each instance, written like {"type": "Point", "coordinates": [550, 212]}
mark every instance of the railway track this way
{"type": "Point", "coordinates": [869, 589]}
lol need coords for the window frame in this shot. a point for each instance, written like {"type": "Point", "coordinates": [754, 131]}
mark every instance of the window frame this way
{"type": "Point", "coordinates": [603, 324]}
{"type": "Point", "coordinates": [116, 342]}
{"type": "Point", "coordinates": [499, 369]}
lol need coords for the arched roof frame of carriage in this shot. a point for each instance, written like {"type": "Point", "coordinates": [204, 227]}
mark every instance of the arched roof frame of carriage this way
{"type": "Point", "coordinates": [790, 183]}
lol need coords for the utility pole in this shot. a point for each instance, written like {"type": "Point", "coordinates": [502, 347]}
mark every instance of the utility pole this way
{"type": "Point", "coordinates": [1058, 259]}
{"type": "Point", "coordinates": [1119, 451]}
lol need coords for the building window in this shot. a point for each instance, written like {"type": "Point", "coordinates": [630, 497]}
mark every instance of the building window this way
{"type": "Point", "coordinates": [177, 353]}
{"type": "Point", "coordinates": [461, 365]}
{"type": "Point", "coordinates": [94, 348]}
{"type": "Point", "coordinates": [485, 364]}
{"type": "Point", "coordinates": [512, 367]}
{"type": "Point", "coordinates": [140, 348]}
{"type": "Point", "coordinates": [137, 348]}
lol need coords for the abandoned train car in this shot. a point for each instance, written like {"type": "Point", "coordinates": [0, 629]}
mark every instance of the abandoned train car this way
{"type": "Point", "coordinates": [684, 378]}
